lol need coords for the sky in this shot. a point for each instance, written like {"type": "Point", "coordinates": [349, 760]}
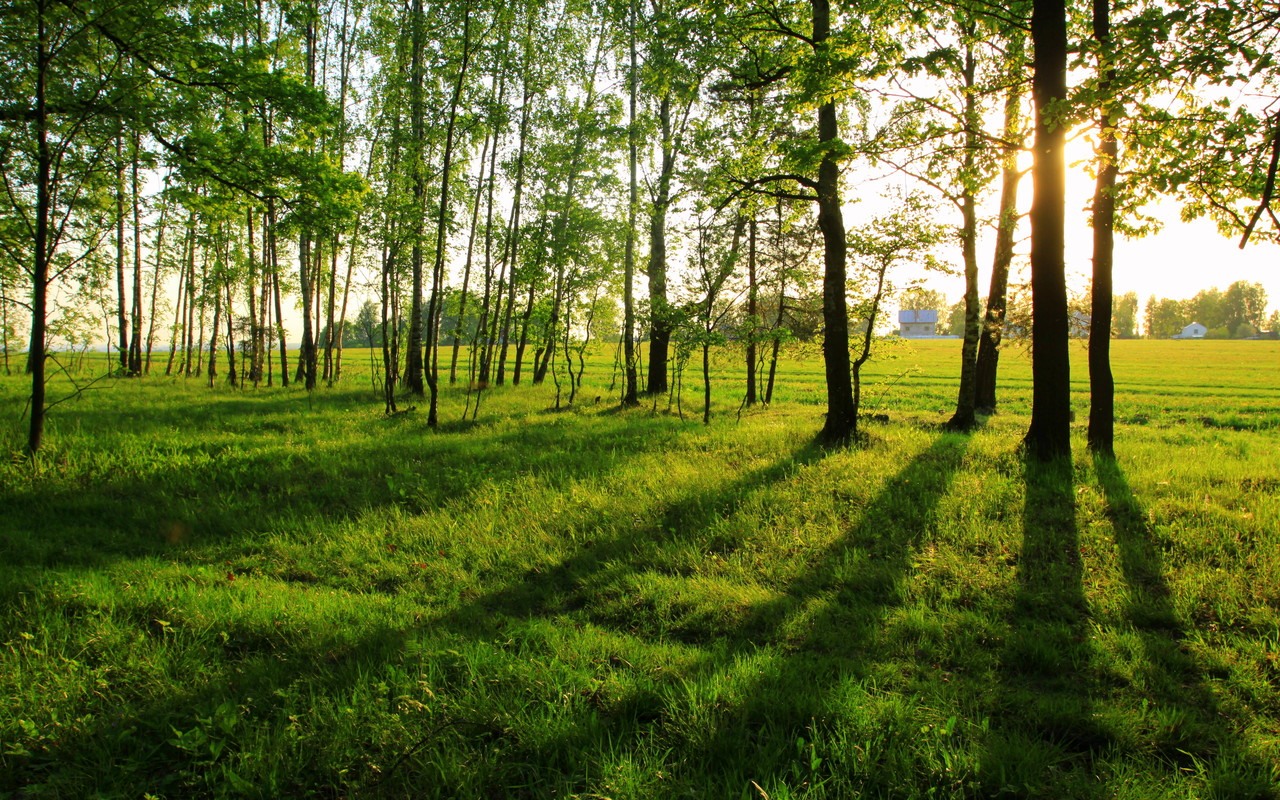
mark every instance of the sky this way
{"type": "Point", "coordinates": [1176, 262]}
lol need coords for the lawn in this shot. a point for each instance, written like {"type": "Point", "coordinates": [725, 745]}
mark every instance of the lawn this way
{"type": "Point", "coordinates": [261, 593]}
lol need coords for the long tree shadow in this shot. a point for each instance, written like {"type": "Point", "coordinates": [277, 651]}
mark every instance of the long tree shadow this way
{"type": "Point", "coordinates": [812, 633]}
{"type": "Point", "coordinates": [1185, 723]}
{"type": "Point", "coordinates": [1043, 735]}
{"type": "Point", "coordinates": [572, 583]}
{"type": "Point", "coordinates": [215, 492]}
{"type": "Point", "coordinates": [820, 635]}
{"type": "Point", "coordinates": [246, 662]}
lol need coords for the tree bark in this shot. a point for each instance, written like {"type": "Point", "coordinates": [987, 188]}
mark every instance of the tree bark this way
{"type": "Point", "coordinates": [630, 392]}
{"type": "Point", "coordinates": [471, 247]}
{"type": "Point", "coordinates": [442, 223]}
{"type": "Point", "coordinates": [135, 342]}
{"type": "Point", "coordinates": [500, 328]}
{"type": "Point", "coordinates": [155, 287]}
{"type": "Point", "coordinates": [308, 354]}
{"type": "Point", "coordinates": [40, 266]}
{"type": "Point", "coordinates": [275, 291]}
{"type": "Point", "coordinates": [842, 412]}
{"type": "Point", "coordinates": [964, 418]}
{"type": "Point", "coordinates": [1101, 381]}
{"type": "Point", "coordinates": [997, 294]}
{"type": "Point", "coordinates": [752, 313]}
{"type": "Point", "coordinates": [1049, 435]}
{"type": "Point", "coordinates": [413, 368]}
{"type": "Point", "coordinates": [777, 341]}
{"type": "Point", "coordinates": [659, 308]}
{"type": "Point", "coordinates": [120, 289]}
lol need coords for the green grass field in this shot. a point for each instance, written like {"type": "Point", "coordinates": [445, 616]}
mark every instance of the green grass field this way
{"type": "Point", "coordinates": [261, 593]}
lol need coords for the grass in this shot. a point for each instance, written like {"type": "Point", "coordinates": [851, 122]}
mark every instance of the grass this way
{"type": "Point", "coordinates": [222, 593]}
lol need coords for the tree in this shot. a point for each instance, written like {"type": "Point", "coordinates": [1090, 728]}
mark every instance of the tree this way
{"type": "Point", "coordinates": [937, 135]}
{"type": "Point", "coordinates": [716, 261]}
{"type": "Point", "coordinates": [51, 149]}
{"type": "Point", "coordinates": [996, 313]}
{"type": "Point", "coordinates": [1101, 381]}
{"type": "Point", "coordinates": [673, 72]}
{"type": "Point", "coordinates": [1124, 316]}
{"type": "Point", "coordinates": [880, 245]}
{"type": "Point", "coordinates": [1244, 306]}
{"type": "Point", "coordinates": [822, 65]}
{"type": "Point", "coordinates": [1164, 318]}
{"type": "Point", "coordinates": [1049, 435]}
{"type": "Point", "coordinates": [919, 299]}
{"type": "Point", "coordinates": [630, 389]}
{"type": "Point", "coordinates": [957, 319]}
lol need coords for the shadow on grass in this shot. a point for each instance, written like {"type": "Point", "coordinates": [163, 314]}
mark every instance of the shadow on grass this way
{"type": "Point", "coordinates": [820, 637]}
{"type": "Point", "coordinates": [250, 687]}
{"type": "Point", "coordinates": [199, 496]}
{"type": "Point", "coordinates": [243, 684]}
{"type": "Point", "coordinates": [1188, 729]}
{"type": "Point", "coordinates": [810, 636]}
{"type": "Point", "coordinates": [1044, 736]}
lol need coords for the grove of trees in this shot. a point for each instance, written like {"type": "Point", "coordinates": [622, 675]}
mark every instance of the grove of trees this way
{"type": "Point", "coordinates": [1237, 313]}
{"type": "Point", "coordinates": [238, 191]}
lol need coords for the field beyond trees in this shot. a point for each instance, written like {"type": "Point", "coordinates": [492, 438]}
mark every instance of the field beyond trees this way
{"type": "Point", "coordinates": [269, 592]}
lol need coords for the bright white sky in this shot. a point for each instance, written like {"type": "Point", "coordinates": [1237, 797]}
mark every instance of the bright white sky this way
{"type": "Point", "coordinates": [1177, 262]}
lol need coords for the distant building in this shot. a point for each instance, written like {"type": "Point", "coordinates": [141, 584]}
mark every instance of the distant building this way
{"type": "Point", "coordinates": [1193, 331]}
{"type": "Point", "coordinates": [1079, 324]}
{"type": "Point", "coordinates": [921, 324]}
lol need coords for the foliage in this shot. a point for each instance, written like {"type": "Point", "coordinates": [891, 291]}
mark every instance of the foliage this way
{"type": "Point", "coordinates": [1236, 313]}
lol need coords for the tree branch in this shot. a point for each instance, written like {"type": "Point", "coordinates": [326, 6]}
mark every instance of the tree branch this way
{"type": "Point", "coordinates": [1264, 205]}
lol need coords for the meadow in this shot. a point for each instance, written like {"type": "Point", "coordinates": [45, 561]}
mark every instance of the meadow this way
{"type": "Point", "coordinates": [264, 593]}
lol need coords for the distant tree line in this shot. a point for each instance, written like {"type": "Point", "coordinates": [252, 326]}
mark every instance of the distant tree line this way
{"type": "Point", "coordinates": [1237, 313]}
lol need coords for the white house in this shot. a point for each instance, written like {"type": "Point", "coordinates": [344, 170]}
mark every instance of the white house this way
{"type": "Point", "coordinates": [1078, 325]}
{"type": "Point", "coordinates": [918, 324]}
{"type": "Point", "coordinates": [1193, 331]}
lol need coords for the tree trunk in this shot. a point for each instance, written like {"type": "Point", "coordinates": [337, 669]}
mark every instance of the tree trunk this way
{"type": "Point", "coordinates": [155, 287]}
{"type": "Point", "coordinates": [184, 292]}
{"type": "Point", "coordinates": [964, 418]}
{"type": "Point", "coordinates": [659, 310]}
{"type": "Point", "coordinates": [307, 356]}
{"type": "Point", "coordinates": [753, 313]}
{"type": "Point", "coordinates": [213, 336]}
{"type": "Point", "coordinates": [331, 310]}
{"type": "Point", "coordinates": [501, 323]}
{"type": "Point", "coordinates": [389, 356]}
{"type": "Point", "coordinates": [442, 224]}
{"type": "Point", "coordinates": [135, 342]}
{"type": "Point", "coordinates": [997, 295]}
{"type": "Point", "coordinates": [193, 297]}
{"type": "Point", "coordinates": [1049, 435]}
{"type": "Point", "coordinates": [413, 373]}
{"type": "Point", "coordinates": [868, 334]}
{"type": "Point", "coordinates": [275, 291]}
{"type": "Point", "coordinates": [630, 389]}
{"type": "Point", "coordinates": [471, 247]}
{"type": "Point", "coordinates": [198, 344]}
{"type": "Point", "coordinates": [1101, 381]}
{"type": "Point", "coordinates": [842, 411]}
{"type": "Point", "coordinates": [254, 276]}
{"type": "Point", "coordinates": [120, 290]}
{"type": "Point", "coordinates": [4, 324]}
{"type": "Point", "coordinates": [777, 341]}
{"type": "Point", "coordinates": [40, 265]}
{"type": "Point", "coordinates": [231, 335]}
{"type": "Point", "coordinates": [344, 79]}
